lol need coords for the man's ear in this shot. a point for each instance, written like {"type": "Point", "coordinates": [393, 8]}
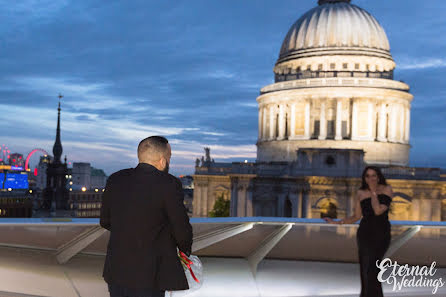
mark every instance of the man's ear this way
{"type": "Point", "coordinates": [163, 162]}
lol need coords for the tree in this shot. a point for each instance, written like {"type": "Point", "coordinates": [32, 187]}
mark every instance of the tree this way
{"type": "Point", "coordinates": [221, 207]}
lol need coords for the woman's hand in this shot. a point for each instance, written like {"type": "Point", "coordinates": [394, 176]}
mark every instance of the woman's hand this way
{"type": "Point", "coordinates": [330, 221]}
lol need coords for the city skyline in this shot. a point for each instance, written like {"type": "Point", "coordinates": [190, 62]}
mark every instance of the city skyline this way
{"type": "Point", "coordinates": [190, 71]}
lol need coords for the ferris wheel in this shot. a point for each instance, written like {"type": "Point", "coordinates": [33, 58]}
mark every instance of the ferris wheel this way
{"type": "Point", "coordinates": [32, 153]}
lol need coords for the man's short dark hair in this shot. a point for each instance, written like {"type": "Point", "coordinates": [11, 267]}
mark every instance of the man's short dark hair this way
{"type": "Point", "coordinates": [153, 148]}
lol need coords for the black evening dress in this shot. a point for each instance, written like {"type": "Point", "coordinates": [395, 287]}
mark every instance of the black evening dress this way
{"type": "Point", "coordinates": [373, 240]}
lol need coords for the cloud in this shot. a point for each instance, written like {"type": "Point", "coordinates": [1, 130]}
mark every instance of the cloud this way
{"type": "Point", "coordinates": [190, 70]}
{"type": "Point", "coordinates": [422, 64]}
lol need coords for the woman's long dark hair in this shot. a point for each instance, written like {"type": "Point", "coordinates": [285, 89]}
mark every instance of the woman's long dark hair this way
{"type": "Point", "coordinates": [381, 178]}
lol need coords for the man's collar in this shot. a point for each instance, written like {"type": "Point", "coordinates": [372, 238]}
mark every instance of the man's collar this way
{"type": "Point", "coordinates": [146, 167]}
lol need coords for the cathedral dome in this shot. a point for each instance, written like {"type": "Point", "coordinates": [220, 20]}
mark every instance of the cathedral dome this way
{"type": "Point", "coordinates": [334, 27]}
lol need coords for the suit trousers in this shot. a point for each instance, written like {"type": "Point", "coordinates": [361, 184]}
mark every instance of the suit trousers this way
{"type": "Point", "coordinates": [119, 291]}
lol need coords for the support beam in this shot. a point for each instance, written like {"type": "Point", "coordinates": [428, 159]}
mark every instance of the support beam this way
{"type": "Point", "coordinates": [76, 245]}
{"type": "Point", "coordinates": [401, 239]}
{"type": "Point", "coordinates": [266, 246]}
{"type": "Point", "coordinates": [205, 240]}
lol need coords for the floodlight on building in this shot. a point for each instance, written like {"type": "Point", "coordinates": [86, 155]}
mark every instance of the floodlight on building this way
{"type": "Point", "coordinates": [30, 191]}
{"type": "Point", "coordinates": [9, 189]}
{"type": "Point", "coordinates": [96, 190]}
{"type": "Point", "coordinates": [71, 189]}
{"type": "Point", "coordinates": [84, 189]}
{"type": "Point", "coordinates": [71, 182]}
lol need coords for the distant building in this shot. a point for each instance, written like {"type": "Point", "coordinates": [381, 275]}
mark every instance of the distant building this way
{"type": "Point", "coordinates": [85, 204]}
{"type": "Point", "coordinates": [41, 171]}
{"type": "Point", "coordinates": [15, 204]}
{"type": "Point", "coordinates": [17, 160]}
{"type": "Point", "coordinates": [85, 176]}
{"type": "Point", "coordinates": [187, 182]}
{"type": "Point", "coordinates": [98, 178]}
{"type": "Point", "coordinates": [80, 175]}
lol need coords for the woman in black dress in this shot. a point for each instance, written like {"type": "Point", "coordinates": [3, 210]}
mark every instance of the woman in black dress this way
{"type": "Point", "coordinates": [372, 204]}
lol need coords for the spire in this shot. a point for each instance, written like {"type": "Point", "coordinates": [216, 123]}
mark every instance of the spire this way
{"type": "Point", "coordinates": [57, 148]}
{"type": "Point", "coordinates": [321, 2]}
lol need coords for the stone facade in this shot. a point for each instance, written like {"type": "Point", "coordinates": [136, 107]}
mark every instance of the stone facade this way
{"type": "Point", "coordinates": [320, 182]}
{"type": "Point", "coordinates": [333, 109]}
{"type": "Point", "coordinates": [318, 114]}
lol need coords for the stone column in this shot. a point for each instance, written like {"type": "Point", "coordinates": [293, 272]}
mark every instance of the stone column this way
{"type": "Point", "coordinates": [436, 215]}
{"type": "Point", "coordinates": [260, 122]}
{"type": "Point", "coordinates": [281, 205]}
{"type": "Point", "coordinates": [415, 212]}
{"type": "Point", "coordinates": [294, 198]}
{"type": "Point", "coordinates": [293, 120]}
{"type": "Point", "coordinates": [204, 201]}
{"type": "Point", "coordinates": [402, 127]}
{"type": "Point", "coordinates": [436, 210]}
{"type": "Point", "coordinates": [354, 120]}
{"type": "Point", "coordinates": [264, 131]}
{"type": "Point", "coordinates": [370, 114]}
{"type": "Point", "coordinates": [281, 122]}
{"type": "Point", "coordinates": [322, 123]}
{"type": "Point", "coordinates": [307, 120]}
{"type": "Point", "coordinates": [407, 128]}
{"type": "Point", "coordinates": [338, 120]}
{"type": "Point", "coordinates": [306, 204]}
{"type": "Point", "coordinates": [392, 126]}
{"type": "Point", "coordinates": [272, 123]}
{"type": "Point", "coordinates": [234, 198]}
{"type": "Point", "coordinates": [196, 203]}
{"type": "Point", "coordinates": [249, 202]}
{"type": "Point", "coordinates": [241, 200]}
{"type": "Point", "coordinates": [426, 210]}
{"type": "Point", "coordinates": [382, 123]}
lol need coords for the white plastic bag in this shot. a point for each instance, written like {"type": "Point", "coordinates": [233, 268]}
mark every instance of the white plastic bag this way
{"type": "Point", "coordinates": [194, 284]}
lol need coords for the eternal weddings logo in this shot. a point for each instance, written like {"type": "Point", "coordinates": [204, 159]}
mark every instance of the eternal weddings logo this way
{"type": "Point", "coordinates": [405, 276]}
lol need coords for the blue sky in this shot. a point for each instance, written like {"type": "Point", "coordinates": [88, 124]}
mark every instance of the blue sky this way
{"type": "Point", "coordinates": [189, 70]}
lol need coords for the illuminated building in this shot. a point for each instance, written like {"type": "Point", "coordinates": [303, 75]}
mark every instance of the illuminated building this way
{"type": "Point", "coordinates": [85, 204]}
{"type": "Point", "coordinates": [15, 204]}
{"type": "Point", "coordinates": [41, 171]}
{"type": "Point", "coordinates": [17, 160]}
{"type": "Point", "coordinates": [333, 109]}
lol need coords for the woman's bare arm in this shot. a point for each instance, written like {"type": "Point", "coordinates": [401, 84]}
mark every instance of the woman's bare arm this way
{"type": "Point", "coordinates": [379, 208]}
{"type": "Point", "coordinates": [357, 212]}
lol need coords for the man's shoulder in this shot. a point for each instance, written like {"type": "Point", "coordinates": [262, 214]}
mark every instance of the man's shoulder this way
{"type": "Point", "coordinates": [121, 173]}
{"type": "Point", "coordinates": [169, 178]}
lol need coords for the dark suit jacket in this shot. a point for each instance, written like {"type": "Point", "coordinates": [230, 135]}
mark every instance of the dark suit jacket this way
{"type": "Point", "coordinates": [144, 211]}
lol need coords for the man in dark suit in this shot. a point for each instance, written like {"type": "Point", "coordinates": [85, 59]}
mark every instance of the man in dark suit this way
{"type": "Point", "coordinates": [143, 209]}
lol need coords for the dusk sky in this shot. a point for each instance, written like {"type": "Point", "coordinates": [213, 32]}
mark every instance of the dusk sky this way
{"type": "Point", "coordinates": [189, 70]}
